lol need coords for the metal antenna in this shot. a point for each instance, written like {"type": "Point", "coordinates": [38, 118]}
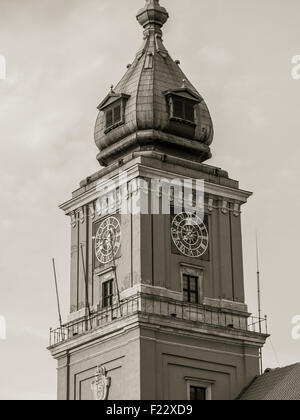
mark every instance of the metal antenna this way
{"type": "Point", "coordinates": [57, 297]}
{"type": "Point", "coordinates": [258, 282]}
{"type": "Point", "coordinates": [87, 304]}
{"type": "Point", "coordinates": [259, 301]}
{"type": "Point", "coordinates": [112, 245]}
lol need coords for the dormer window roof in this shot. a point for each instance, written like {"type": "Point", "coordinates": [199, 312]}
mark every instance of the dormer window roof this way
{"type": "Point", "coordinates": [111, 98]}
{"type": "Point", "coordinates": [185, 93]}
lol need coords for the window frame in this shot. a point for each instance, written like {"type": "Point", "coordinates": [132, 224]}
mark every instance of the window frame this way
{"type": "Point", "coordinates": [109, 296]}
{"type": "Point", "coordinates": [189, 290]}
{"type": "Point", "coordinates": [111, 109]}
{"type": "Point", "coordinates": [196, 389]}
{"type": "Point", "coordinates": [186, 96]}
{"type": "Point", "coordinates": [184, 104]}
{"type": "Point", "coordinates": [109, 104]}
{"type": "Point", "coordinates": [199, 383]}
{"type": "Point", "coordinates": [193, 271]}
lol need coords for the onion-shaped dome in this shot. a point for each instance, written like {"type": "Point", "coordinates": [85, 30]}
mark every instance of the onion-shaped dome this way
{"type": "Point", "coordinates": [154, 107]}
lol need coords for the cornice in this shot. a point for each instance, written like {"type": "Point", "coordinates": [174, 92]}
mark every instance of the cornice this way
{"type": "Point", "coordinates": [139, 170]}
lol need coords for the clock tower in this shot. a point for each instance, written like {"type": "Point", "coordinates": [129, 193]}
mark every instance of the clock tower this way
{"type": "Point", "coordinates": [157, 291]}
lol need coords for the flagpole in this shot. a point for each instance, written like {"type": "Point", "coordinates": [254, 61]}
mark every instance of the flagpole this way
{"type": "Point", "coordinates": [57, 295]}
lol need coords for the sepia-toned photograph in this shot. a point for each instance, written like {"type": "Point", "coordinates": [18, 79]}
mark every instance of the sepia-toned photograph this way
{"type": "Point", "coordinates": [149, 174]}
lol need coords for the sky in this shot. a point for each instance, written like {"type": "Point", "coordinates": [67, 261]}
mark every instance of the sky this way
{"type": "Point", "coordinates": [61, 57]}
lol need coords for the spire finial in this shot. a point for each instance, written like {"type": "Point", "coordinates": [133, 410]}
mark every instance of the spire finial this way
{"type": "Point", "coordinates": [152, 15]}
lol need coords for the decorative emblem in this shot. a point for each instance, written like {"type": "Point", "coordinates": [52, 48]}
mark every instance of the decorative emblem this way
{"type": "Point", "coordinates": [189, 235]}
{"type": "Point", "coordinates": [81, 215]}
{"type": "Point", "coordinates": [224, 208]}
{"type": "Point", "coordinates": [73, 219]}
{"type": "Point", "coordinates": [100, 386]}
{"type": "Point", "coordinates": [236, 210]}
{"type": "Point", "coordinates": [210, 205]}
{"type": "Point", "coordinates": [108, 240]}
{"type": "Point", "coordinates": [92, 211]}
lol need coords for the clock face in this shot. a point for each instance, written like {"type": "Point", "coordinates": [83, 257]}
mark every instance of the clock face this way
{"type": "Point", "coordinates": [108, 240]}
{"type": "Point", "coordinates": [190, 235]}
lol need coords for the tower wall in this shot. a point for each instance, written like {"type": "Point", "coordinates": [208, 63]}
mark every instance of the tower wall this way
{"type": "Point", "coordinates": [170, 361]}
{"type": "Point", "coordinates": [118, 352]}
{"type": "Point", "coordinates": [147, 254]}
{"type": "Point", "coordinates": [147, 360]}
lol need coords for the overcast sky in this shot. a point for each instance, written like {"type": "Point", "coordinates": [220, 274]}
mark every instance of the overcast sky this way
{"type": "Point", "coordinates": [62, 56]}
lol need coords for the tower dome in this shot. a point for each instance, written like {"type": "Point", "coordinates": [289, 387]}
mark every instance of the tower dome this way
{"type": "Point", "coordinates": [154, 106]}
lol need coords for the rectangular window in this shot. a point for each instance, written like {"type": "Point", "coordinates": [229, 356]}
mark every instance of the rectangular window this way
{"type": "Point", "coordinates": [107, 294]}
{"type": "Point", "coordinates": [183, 110]}
{"type": "Point", "coordinates": [178, 109]}
{"type": "Point", "coordinates": [113, 116]}
{"type": "Point", "coordinates": [190, 289]}
{"type": "Point", "coordinates": [197, 393]}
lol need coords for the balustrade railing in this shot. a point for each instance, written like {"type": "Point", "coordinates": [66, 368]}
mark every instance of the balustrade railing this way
{"type": "Point", "coordinates": [155, 305]}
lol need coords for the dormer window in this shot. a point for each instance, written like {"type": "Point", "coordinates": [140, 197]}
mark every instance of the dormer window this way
{"type": "Point", "coordinates": [181, 104]}
{"type": "Point", "coordinates": [113, 107]}
{"type": "Point", "coordinates": [113, 116]}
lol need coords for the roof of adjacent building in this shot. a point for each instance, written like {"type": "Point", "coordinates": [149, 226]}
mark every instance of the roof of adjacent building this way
{"type": "Point", "coordinates": [149, 80]}
{"type": "Point", "coordinates": [275, 384]}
